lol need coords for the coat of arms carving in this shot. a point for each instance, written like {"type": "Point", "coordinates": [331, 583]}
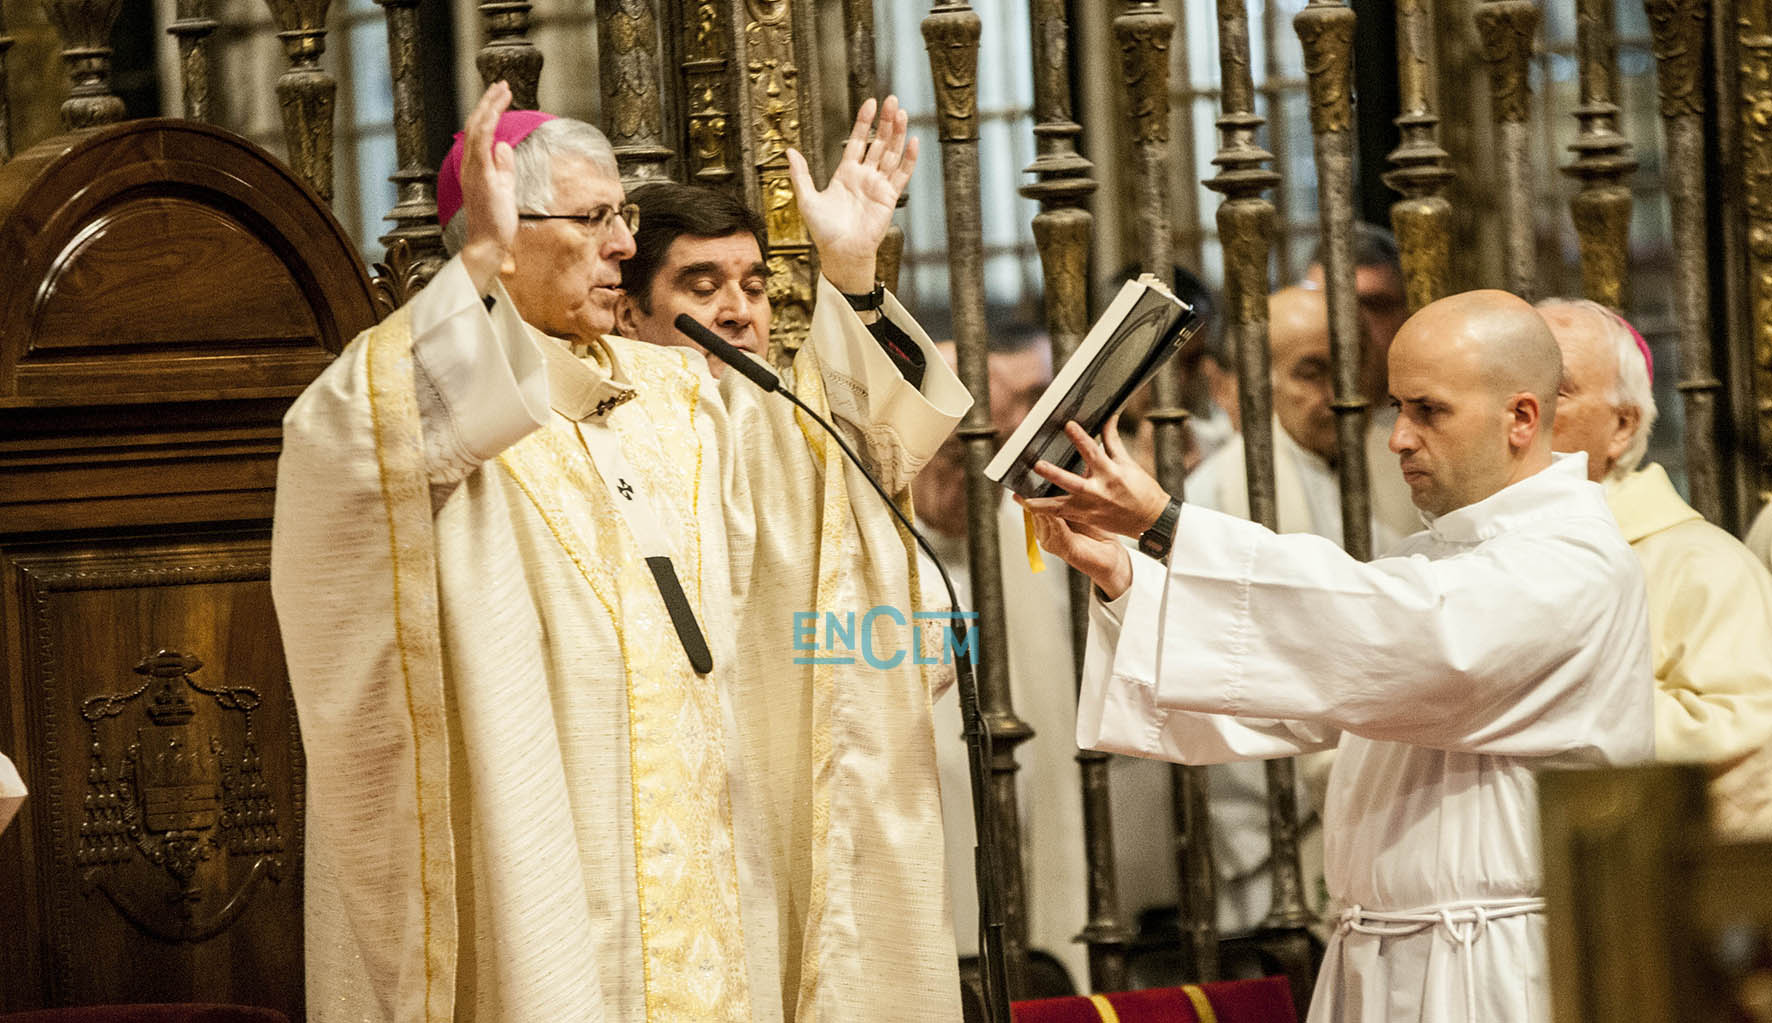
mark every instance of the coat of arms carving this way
{"type": "Point", "coordinates": [179, 825]}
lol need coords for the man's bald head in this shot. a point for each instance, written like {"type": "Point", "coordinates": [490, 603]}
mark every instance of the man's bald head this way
{"type": "Point", "coordinates": [1513, 345]}
{"type": "Point", "coordinates": [1298, 344]}
{"type": "Point", "coordinates": [1475, 378]}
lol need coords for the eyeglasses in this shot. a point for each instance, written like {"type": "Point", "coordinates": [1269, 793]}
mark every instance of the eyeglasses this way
{"type": "Point", "coordinates": [599, 221]}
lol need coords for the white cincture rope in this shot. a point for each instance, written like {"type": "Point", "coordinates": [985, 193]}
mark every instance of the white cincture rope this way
{"type": "Point", "coordinates": [1464, 921]}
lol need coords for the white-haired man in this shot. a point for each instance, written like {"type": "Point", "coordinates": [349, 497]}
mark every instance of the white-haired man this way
{"type": "Point", "coordinates": [517, 591]}
{"type": "Point", "coordinates": [1710, 600]}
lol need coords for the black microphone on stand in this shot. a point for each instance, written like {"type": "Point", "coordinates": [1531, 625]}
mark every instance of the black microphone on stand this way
{"type": "Point", "coordinates": [995, 971]}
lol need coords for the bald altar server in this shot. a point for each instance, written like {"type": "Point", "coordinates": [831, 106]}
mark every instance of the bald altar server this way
{"type": "Point", "coordinates": [1710, 599]}
{"type": "Point", "coordinates": [1509, 636]}
{"type": "Point", "coordinates": [512, 584]}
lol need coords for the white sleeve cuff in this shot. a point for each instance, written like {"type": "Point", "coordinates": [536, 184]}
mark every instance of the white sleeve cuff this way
{"type": "Point", "coordinates": [485, 369]}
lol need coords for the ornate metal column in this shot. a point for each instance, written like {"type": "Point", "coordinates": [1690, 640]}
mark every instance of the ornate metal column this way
{"type": "Point", "coordinates": [1062, 185]}
{"type": "Point", "coordinates": [1603, 161]}
{"type": "Point", "coordinates": [6, 42]}
{"type": "Point", "coordinates": [305, 91]}
{"type": "Point", "coordinates": [192, 31]}
{"type": "Point", "coordinates": [628, 61]}
{"type": "Point", "coordinates": [1422, 219]}
{"type": "Point", "coordinates": [1144, 33]}
{"type": "Point", "coordinates": [1507, 28]}
{"type": "Point", "coordinates": [773, 110]}
{"type": "Point", "coordinates": [1326, 31]}
{"type": "Point", "coordinates": [951, 32]}
{"type": "Point", "coordinates": [1679, 27]}
{"type": "Point", "coordinates": [415, 244]}
{"type": "Point", "coordinates": [508, 53]}
{"type": "Point", "coordinates": [1755, 77]}
{"type": "Point", "coordinates": [85, 29]}
{"type": "Point", "coordinates": [707, 60]}
{"type": "Point", "coordinates": [1246, 228]}
{"type": "Point", "coordinates": [858, 29]}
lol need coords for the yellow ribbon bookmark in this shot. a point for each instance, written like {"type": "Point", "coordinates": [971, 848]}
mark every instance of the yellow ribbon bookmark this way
{"type": "Point", "coordinates": [1036, 563]}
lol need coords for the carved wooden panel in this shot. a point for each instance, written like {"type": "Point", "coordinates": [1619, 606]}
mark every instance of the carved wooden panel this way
{"type": "Point", "coordinates": [167, 290]}
{"type": "Point", "coordinates": [149, 711]}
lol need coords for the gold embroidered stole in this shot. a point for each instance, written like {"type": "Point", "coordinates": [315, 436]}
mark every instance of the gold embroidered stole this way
{"type": "Point", "coordinates": [406, 499]}
{"type": "Point", "coordinates": [685, 858]}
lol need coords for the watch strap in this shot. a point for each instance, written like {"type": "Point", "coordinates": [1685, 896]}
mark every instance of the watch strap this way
{"type": "Point", "coordinates": [869, 302]}
{"type": "Point", "coordinates": [1157, 540]}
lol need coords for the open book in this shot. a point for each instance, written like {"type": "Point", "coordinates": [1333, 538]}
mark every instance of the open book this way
{"type": "Point", "coordinates": [1143, 326]}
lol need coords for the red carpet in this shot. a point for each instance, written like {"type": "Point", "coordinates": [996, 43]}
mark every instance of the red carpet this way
{"type": "Point", "coordinates": [1235, 1001]}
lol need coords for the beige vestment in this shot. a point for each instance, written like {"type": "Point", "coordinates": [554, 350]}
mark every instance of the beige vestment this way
{"type": "Point", "coordinates": [523, 802]}
{"type": "Point", "coordinates": [1710, 626]}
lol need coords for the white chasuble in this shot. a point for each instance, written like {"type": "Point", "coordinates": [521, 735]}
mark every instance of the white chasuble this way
{"type": "Point", "coordinates": [1511, 635]}
{"type": "Point", "coordinates": [524, 803]}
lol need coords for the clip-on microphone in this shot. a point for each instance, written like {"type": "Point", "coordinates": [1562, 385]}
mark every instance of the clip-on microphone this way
{"type": "Point", "coordinates": [978, 741]}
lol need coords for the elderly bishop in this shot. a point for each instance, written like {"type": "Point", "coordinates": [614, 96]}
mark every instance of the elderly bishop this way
{"type": "Point", "coordinates": [517, 564]}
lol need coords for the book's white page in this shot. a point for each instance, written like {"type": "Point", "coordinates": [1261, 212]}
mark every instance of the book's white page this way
{"type": "Point", "coordinates": [1067, 376]}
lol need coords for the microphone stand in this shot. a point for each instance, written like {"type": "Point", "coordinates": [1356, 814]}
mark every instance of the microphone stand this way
{"type": "Point", "coordinates": [994, 966]}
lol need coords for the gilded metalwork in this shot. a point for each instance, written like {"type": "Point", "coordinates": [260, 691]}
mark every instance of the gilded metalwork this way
{"type": "Point", "coordinates": [1422, 219]}
{"type": "Point", "coordinates": [1246, 225]}
{"type": "Point", "coordinates": [401, 276]}
{"type": "Point", "coordinates": [508, 55]}
{"type": "Point", "coordinates": [707, 46]}
{"type": "Point", "coordinates": [1755, 76]}
{"type": "Point", "coordinates": [951, 33]}
{"type": "Point", "coordinates": [85, 30]}
{"type": "Point", "coordinates": [192, 31]}
{"type": "Point", "coordinates": [1326, 32]}
{"type": "Point", "coordinates": [6, 42]}
{"type": "Point", "coordinates": [1507, 28]}
{"type": "Point", "coordinates": [633, 103]}
{"type": "Point", "coordinates": [1143, 34]}
{"type": "Point", "coordinates": [1603, 161]}
{"type": "Point", "coordinates": [175, 784]}
{"type": "Point", "coordinates": [305, 91]}
{"type": "Point", "coordinates": [858, 30]}
{"type": "Point", "coordinates": [1679, 28]}
{"type": "Point", "coordinates": [415, 244]}
{"type": "Point", "coordinates": [1062, 184]}
{"type": "Point", "coordinates": [773, 103]}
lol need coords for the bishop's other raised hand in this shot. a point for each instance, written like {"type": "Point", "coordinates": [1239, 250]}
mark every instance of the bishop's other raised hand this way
{"type": "Point", "coordinates": [848, 218]}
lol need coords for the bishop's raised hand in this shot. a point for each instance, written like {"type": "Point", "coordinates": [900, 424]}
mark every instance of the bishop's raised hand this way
{"type": "Point", "coordinates": [488, 190]}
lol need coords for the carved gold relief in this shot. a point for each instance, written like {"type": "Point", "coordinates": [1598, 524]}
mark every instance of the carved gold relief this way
{"type": "Point", "coordinates": [706, 45]}
{"type": "Point", "coordinates": [628, 55]}
{"type": "Point", "coordinates": [772, 85]}
{"type": "Point", "coordinates": [180, 827]}
{"type": "Point", "coordinates": [775, 89]}
{"type": "Point", "coordinates": [790, 296]}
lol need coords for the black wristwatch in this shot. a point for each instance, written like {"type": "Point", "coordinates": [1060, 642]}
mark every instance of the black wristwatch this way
{"type": "Point", "coordinates": [1157, 540]}
{"type": "Point", "coordinates": [868, 303]}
